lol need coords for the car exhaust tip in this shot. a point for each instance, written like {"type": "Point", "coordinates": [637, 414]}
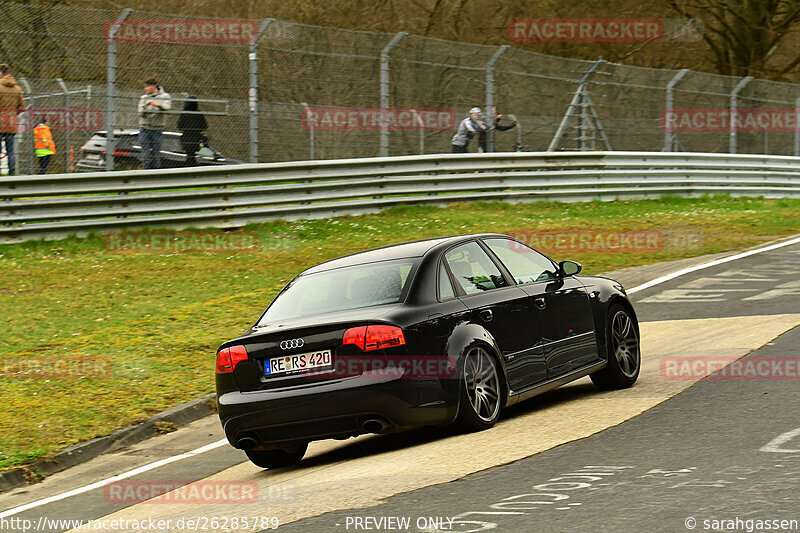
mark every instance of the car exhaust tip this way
{"type": "Point", "coordinates": [246, 443]}
{"type": "Point", "coordinates": [374, 425]}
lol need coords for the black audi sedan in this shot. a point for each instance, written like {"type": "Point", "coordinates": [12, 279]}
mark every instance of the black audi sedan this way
{"type": "Point", "coordinates": [434, 332]}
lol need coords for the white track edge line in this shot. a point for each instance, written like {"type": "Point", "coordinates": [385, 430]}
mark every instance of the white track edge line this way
{"type": "Point", "coordinates": [689, 270]}
{"type": "Point", "coordinates": [125, 475]}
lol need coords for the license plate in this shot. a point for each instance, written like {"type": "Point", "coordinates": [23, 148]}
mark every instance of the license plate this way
{"type": "Point", "coordinates": [286, 364]}
{"type": "Point", "coordinates": [93, 157]}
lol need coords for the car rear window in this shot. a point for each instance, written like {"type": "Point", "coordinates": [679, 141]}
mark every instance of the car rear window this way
{"type": "Point", "coordinates": [341, 289]}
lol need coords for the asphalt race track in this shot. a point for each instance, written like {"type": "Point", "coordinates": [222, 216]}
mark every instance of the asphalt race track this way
{"type": "Point", "coordinates": [672, 453]}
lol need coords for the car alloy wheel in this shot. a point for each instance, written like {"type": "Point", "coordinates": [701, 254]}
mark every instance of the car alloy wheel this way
{"type": "Point", "coordinates": [625, 343]}
{"type": "Point", "coordinates": [483, 384]}
{"type": "Point", "coordinates": [622, 349]}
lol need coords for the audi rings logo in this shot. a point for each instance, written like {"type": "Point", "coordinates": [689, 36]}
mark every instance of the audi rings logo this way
{"type": "Point", "coordinates": [294, 343]}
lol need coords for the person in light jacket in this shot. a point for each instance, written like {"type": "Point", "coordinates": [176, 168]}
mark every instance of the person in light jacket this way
{"type": "Point", "coordinates": [152, 106]}
{"type": "Point", "coordinates": [467, 129]}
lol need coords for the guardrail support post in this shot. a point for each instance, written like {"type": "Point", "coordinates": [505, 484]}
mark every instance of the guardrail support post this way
{"type": "Point", "coordinates": [669, 135]}
{"type": "Point", "coordinates": [253, 94]}
{"type": "Point", "coordinates": [490, 96]}
{"type": "Point", "coordinates": [734, 107]}
{"type": "Point", "coordinates": [112, 85]}
{"type": "Point", "coordinates": [385, 90]}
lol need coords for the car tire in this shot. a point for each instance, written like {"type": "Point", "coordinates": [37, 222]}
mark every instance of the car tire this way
{"type": "Point", "coordinates": [481, 390]}
{"type": "Point", "coordinates": [622, 349]}
{"type": "Point", "coordinates": [277, 458]}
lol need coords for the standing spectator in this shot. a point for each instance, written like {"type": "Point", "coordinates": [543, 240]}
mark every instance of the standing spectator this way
{"type": "Point", "coordinates": [43, 142]}
{"type": "Point", "coordinates": [192, 126]}
{"type": "Point", "coordinates": [152, 105]}
{"type": "Point", "coordinates": [467, 129]}
{"type": "Point", "coordinates": [11, 104]}
{"type": "Point", "coordinates": [484, 136]}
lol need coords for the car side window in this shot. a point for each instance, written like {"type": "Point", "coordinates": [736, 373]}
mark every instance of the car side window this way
{"type": "Point", "coordinates": [445, 286]}
{"type": "Point", "coordinates": [171, 143]}
{"type": "Point", "coordinates": [525, 264]}
{"type": "Point", "coordinates": [126, 141]}
{"type": "Point", "coordinates": [474, 269]}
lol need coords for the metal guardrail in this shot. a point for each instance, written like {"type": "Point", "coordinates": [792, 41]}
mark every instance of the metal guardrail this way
{"type": "Point", "coordinates": [54, 206]}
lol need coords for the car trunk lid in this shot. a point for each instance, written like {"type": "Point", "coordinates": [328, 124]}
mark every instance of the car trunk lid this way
{"type": "Point", "coordinates": [273, 350]}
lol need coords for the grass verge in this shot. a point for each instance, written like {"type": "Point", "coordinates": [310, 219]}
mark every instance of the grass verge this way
{"type": "Point", "coordinates": [97, 339]}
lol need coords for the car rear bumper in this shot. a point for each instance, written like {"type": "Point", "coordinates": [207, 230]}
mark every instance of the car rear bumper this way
{"type": "Point", "coordinates": [335, 409]}
{"type": "Point", "coordinates": [91, 164]}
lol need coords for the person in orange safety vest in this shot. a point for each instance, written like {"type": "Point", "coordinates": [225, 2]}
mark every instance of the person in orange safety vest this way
{"type": "Point", "coordinates": [43, 142]}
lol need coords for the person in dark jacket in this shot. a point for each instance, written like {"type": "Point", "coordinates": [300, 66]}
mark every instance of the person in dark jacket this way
{"type": "Point", "coordinates": [192, 125]}
{"type": "Point", "coordinates": [483, 138]}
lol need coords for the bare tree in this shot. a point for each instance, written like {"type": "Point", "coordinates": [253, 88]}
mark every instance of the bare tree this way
{"type": "Point", "coordinates": [748, 37]}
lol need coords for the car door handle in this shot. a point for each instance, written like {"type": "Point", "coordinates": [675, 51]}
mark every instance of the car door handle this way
{"type": "Point", "coordinates": [540, 303]}
{"type": "Point", "coordinates": [487, 315]}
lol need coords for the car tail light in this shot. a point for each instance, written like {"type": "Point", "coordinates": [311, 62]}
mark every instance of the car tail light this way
{"type": "Point", "coordinates": [118, 153]}
{"type": "Point", "coordinates": [374, 337]}
{"type": "Point", "coordinates": [228, 358]}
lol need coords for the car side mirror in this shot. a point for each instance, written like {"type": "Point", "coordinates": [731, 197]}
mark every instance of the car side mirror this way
{"type": "Point", "coordinates": [569, 268]}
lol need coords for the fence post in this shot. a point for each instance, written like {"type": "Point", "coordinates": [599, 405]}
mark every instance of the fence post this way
{"type": "Point", "coordinates": [421, 127]}
{"type": "Point", "coordinates": [669, 136]}
{"type": "Point", "coordinates": [112, 85]}
{"type": "Point", "coordinates": [26, 89]}
{"type": "Point", "coordinates": [253, 94]}
{"type": "Point", "coordinates": [385, 90]}
{"type": "Point", "coordinates": [66, 130]}
{"type": "Point", "coordinates": [797, 128]}
{"type": "Point", "coordinates": [734, 106]}
{"type": "Point", "coordinates": [311, 150]}
{"type": "Point", "coordinates": [490, 96]}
